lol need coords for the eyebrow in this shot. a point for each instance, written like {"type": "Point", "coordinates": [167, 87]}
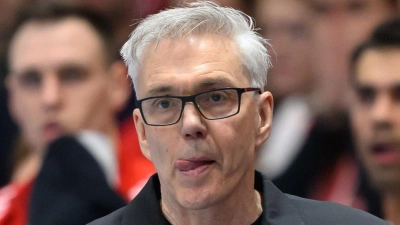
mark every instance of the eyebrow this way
{"type": "Point", "coordinates": [394, 85]}
{"type": "Point", "coordinates": [206, 84]}
{"type": "Point", "coordinates": [159, 90]}
{"type": "Point", "coordinates": [217, 82]}
{"type": "Point", "coordinates": [63, 66]}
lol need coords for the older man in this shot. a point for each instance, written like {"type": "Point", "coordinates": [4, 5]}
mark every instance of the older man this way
{"type": "Point", "coordinates": [199, 74]}
{"type": "Point", "coordinates": [375, 114]}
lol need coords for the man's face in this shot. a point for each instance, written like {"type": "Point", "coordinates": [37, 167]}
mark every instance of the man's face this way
{"type": "Point", "coordinates": [339, 26]}
{"type": "Point", "coordinates": [286, 23]}
{"type": "Point", "coordinates": [375, 115]}
{"type": "Point", "coordinates": [59, 81]}
{"type": "Point", "coordinates": [219, 153]}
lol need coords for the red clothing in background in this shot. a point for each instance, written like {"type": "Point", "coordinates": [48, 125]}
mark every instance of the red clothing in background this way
{"type": "Point", "coordinates": [134, 171]}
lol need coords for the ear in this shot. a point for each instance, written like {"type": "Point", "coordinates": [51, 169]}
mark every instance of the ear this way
{"type": "Point", "coordinates": [119, 87]}
{"type": "Point", "coordinates": [141, 132]}
{"type": "Point", "coordinates": [265, 113]}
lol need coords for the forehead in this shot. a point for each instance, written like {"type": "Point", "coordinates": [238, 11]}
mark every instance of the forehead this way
{"type": "Point", "coordinates": [345, 4]}
{"type": "Point", "coordinates": [190, 60]}
{"type": "Point", "coordinates": [38, 43]}
{"type": "Point", "coordinates": [269, 10]}
{"type": "Point", "coordinates": [379, 67]}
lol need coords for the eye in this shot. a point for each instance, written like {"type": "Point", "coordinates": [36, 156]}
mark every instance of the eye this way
{"type": "Point", "coordinates": [321, 8]}
{"type": "Point", "coordinates": [356, 6]}
{"type": "Point", "coordinates": [30, 79]}
{"type": "Point", "coordinates": [72, 74]}
{"type": "Point", "coordinates": [366, 95]}
{"type": "Point", "coordinates": [396, 94]}
{"type": "Point", "coordinates": [164, 104]}
{"type": "Point", "coordinates": [216, 97]}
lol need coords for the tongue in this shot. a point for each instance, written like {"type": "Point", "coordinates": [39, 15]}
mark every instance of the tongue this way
{"type": "Point", "coordinates": [184, 165]}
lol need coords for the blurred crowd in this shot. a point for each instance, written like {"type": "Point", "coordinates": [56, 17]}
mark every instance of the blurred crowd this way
{"type": "Point", "coordinates": [311, 152]}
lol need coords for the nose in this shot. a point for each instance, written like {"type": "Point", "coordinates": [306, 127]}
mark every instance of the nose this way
{"type": "Point", "coordinates": [192, 122]}
{"type": "Point", "coordinates": [51, 92]}
{"type": "Point", "coordinates": [382, 111]}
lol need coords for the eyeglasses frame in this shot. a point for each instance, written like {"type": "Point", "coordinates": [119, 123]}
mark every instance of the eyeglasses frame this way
{"type": "Point", "coordinates": [192, 98]}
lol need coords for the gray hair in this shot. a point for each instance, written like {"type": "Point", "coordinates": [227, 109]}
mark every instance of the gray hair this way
{"type": "Point", "coordinates": [201, 17]}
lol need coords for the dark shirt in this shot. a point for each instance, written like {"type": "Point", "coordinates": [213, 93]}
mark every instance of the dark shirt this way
{"type": "Point", "coordinates": [258, 221]}
{"type": "Point", "coordinates": [278, 209]}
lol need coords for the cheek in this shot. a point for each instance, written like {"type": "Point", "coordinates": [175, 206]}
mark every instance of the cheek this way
{"type": "Point", "coordinates": [28, 115]}
{"type": "Point", "coordinates": [161, 146]}
{"type": "Point", "coordinates": [87, 108]}
{"type": "Point", "coordinates": [26, 110]}
{"type": "Point", "coordinates": [361, 125]}
{"type": "Point", "coordinates": [236, 140]}
{"type": "Point", "coordinates": [361, 132]}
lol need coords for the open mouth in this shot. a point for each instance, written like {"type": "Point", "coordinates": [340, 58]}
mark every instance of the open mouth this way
{"type": "Point", "coordinates": [386, 153]}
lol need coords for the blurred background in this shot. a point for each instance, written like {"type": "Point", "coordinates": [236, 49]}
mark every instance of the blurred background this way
{"type": "Point", "coordinates": [310, 151]}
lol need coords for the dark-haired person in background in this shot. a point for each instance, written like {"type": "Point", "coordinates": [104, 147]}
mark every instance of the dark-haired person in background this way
{"type": "Point", "coordinates": [8, 129]}
{"type": "Point", "coordinates": [64, 81]}
{"type": "Point", "coordinates": [326, 168]}
{"type": "Point", "coordinates": [375, 114]}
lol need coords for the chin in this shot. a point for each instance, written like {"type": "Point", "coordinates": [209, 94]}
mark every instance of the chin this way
{"type": "Point", "coordinates": [386, 184]}
{"type": "Point", "coordinates": [196, 205]}
{"type": "Point", "coordinates": [196, 201]}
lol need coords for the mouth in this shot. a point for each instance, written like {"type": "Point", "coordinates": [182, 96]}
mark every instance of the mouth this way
{"type": "Point", "coordinates": [52, 131]}
{"type": "Point", "coordinates": [386, 153]}
{"type": "Point", "coordinates": [193, 166]}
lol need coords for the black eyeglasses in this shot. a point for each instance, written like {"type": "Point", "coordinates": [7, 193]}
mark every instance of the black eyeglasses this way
{"type": "Point", "coordinates": [212, 105]}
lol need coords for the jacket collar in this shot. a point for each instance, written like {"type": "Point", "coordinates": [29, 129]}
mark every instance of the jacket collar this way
{"type": "Point", "coordinates": [277, 207]}
{"type": "Point", "coordinates": [145, 208]}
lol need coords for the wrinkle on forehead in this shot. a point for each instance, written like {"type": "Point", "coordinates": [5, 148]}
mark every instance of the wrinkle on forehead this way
{"type": "Point", "coordinates": [206, 55]}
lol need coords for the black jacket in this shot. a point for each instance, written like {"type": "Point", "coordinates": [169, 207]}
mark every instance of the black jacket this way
{"type": "Point", "coordinates": [279, 209]}
{"type": "Point", "coordinates": [71, 188]}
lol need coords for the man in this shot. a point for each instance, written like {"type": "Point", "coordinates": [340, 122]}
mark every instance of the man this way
{"type": "Point", "coordinates": [242, 5]}
{"type": "Point", "coordinates": [326, 168]}
{"type": "Point", "coordinates": [338, 27]}
{"type": "Point", "coordinates": [63, 81]}
{"type": "Point", "coordinates": [286, 23]}
{"type": "Point", "coordinates": [8, 129]}
{"type": "Point", "coordinates": [375, 114]}
{"type": "Point", "coordinates": [199, 73]}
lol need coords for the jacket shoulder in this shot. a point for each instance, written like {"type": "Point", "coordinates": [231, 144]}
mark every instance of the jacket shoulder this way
{"type": "Point", "coordinates": [319, 212]}
{"type": "Point", "coordinates": [114, 218]}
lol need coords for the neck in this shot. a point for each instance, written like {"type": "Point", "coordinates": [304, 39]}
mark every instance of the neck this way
{"type": "Point", "coordinates": [391, 207]}
{"type": "Point", "coordinates": [27, 167]}
{"type": "Point", "coordinates": [243, 209]}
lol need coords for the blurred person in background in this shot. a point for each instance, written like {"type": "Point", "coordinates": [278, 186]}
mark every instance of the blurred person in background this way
{"type": "Point", "coordinates": [8, 130]}
{"type": "Point", "coordinates": [375, 110]}
{"type": "Point", "coordinates": [327, 170]}
{"type": "Point", "coordinates": [243, 5]}
{"type": "Point", "coordinates": [286, 23]}
{"type": "Point", "coordinates": [339, 26]}
{"type": "Point", "coordinates": [65, 81]}
{"type": "Point", "coordinates": [298, 152]}
{"type": "Point", "coordinates": [121, 13]}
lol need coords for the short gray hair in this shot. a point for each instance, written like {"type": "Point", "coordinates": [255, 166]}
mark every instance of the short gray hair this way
{"type": "Point", "coordinates": [201, 17]}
